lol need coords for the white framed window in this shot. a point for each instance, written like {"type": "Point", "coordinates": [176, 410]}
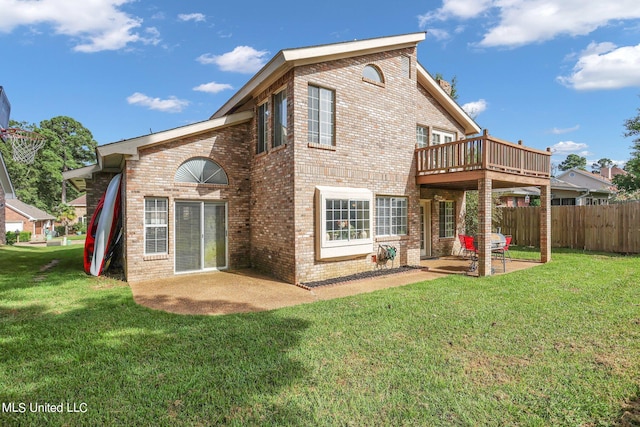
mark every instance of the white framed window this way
{"type": "Point", "coordinates": [155, 225]}
{"type": "Point", "coordinates": [280, 118]}
{"type": "Point", "coordinates": [343, 222]}
{"type": "Point", "coordinates": [447, 216]}
{"type": "Point", "coordinates": [321, 116]}
{"type": "Point", "coordinates": [263, 127]}
{"type": "Point", "coordinates": [441, 137]}
{"type": "Point", "coordinates": [391, 216]}
{"type": "Point", "coordinates": [422, 136]}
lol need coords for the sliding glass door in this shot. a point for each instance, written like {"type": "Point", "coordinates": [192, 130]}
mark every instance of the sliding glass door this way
{"type": "Point", "coordinates": [200, 236]}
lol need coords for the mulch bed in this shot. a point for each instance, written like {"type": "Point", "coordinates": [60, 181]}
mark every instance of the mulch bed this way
{"type": "Point", "coordinates": [358, 276]}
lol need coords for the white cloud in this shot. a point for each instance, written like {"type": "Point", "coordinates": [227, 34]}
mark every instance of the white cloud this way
{"type": "Point", "coordinates": [171, 105]}
{"type": "Point", "coordinates": [474, 108]}
{"type": "Point", "coordinates": [521, 22]}
{"type": "Point", "coordinates": [197, 17]}
{"type": "Point", "coordinates": [212, 87]}
{"type": "Point", "coordinates": [605, 66]}
{"type": "Point", "coordinates": [438, 34]}
{"type": "Point", "coordinates": [557, 131]}
{"type": "Point", "coordinates": [570, 147]}
{"type": "Point", "coordinates": [461, 9]}
{"type": "Point", "coordinates": [242, 59]}
{"type": "Point", "coordinates": [97, 25]}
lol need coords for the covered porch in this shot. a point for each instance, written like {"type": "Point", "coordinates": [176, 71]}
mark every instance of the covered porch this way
{"type": "Point", "coordinates": [483, 163]}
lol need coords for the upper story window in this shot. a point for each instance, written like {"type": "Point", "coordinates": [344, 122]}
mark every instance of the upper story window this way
{"type": "Point", "coordinates": [280, 118]}
{"type": "Point", "coordinates": [422, 136]}
{"type": "Point", "coordinates": [263, 127]}
{"type": "Point", "coordinates": [441, 137]}
{"type": "Point", "coordinates": [372, 74]}
{"type": "Point", "coordinates": [201, 171]}
{"type": "Point", "coordinates": [321, 116]}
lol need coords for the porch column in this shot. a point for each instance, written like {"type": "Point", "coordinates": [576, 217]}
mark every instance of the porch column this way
{"type": "Point", "coordinates": [545, 223]}
{"type": "Point", "coordinates": [484, 227]}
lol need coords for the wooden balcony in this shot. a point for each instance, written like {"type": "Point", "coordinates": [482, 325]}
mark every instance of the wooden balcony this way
{"type": "Point", "coordinates": [460, 164]}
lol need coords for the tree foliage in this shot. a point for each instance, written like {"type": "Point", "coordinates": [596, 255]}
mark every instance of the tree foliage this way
{"type": "Point", "coordinates": [630, 183]}
{"type": "Point", "coordinates": [573, 161]}
{"type": "Point", "coordinates": [602, 163]}
{"type": "Point", "coordinates": [471, 212]}
{"type": "Point", "coordinates": [69, 145]}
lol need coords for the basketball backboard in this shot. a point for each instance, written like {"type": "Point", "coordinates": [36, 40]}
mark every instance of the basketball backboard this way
{"type": "Point", "coordinates": [5, 109]}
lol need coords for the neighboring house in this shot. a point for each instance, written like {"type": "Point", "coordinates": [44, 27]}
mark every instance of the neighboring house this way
{"type": "Point", "coordinates": [610, 173]}
{"type": "Point", "coordinates": [325, 154]}
{"type": "Point", "coordinates": [20, 216]}
{"type": "Point", "coordinates": [6, 193]}
{"type": "Point", "coordinates": [80, 206]}
{"type": "Point", "coordinates": [590, 189]}
{"type": "Point", "coordinates": [517, 197]}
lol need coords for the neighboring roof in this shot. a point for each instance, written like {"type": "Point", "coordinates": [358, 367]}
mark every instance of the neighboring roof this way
{"type": "Point", "coordinates": [518, 191]}
{"type": "Point", "coordinates": [30, 212]}
{"type": "Point", "coordinates": [555, 183]}
{"type": "Point", "coordinates": [80, 201]}
{"type": "Point", "coordinates": [287, 59]}
{"type": "Point", "coordinates": [5, 180]}
{"type": "Point", "coordinates": [594, 176]}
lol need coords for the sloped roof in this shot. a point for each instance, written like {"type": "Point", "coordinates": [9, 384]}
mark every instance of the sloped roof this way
{"type": "Point", "coordinates": [287, 59]}
{"type": "Point", "coordinates": [600, 183]}
{"type": "Point", "coordinates": [30, 212]}
{"type": "Point", "coordinates": [80, 201]}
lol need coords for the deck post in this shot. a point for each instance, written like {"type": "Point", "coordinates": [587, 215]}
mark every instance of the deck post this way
{"type": "Point", "coordinates": [484, 227]}
{"type": "Point", "coordinates": [545, 223]}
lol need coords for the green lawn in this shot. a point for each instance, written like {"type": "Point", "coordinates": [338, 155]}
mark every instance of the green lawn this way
{"type": "Point", "coordinates": [557, 344]}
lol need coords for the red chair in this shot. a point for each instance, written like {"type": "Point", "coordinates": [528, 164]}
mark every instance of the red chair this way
{"type": "Point", "coordinates": [462, 250]}
{"type": "Point", "coordinates": [505, 248]}
{"type": "Point", "coordinates": [471, 249]}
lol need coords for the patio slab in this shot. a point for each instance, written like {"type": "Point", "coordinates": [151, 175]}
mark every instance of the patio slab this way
{"type": "Point", "coordinates": [240, 291]}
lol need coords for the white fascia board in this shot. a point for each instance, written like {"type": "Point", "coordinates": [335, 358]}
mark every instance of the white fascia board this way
{"type": "Point", "coordinates": [85, 172]}
{"type": "Point", "coordinates": [289, 58]}
{"type": "Point", "coordinates": [432, 86]}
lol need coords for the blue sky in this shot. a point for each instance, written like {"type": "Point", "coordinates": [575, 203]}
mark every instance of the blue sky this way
{"type": "Point", "coordinates": [563, 74]}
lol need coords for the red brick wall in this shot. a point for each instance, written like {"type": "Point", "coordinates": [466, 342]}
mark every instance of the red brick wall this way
{"type": "Point", "coordinates": [272, 194]}
{"type": "Point", "coordinates": [153, 176]}
{"type": "Point", "coordinates": [375, 139]}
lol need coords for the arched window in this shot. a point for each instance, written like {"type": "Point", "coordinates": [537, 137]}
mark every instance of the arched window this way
{"type": "Point", "coordinates": [201, 171]}
{"type": "Point", "coordinates": [373, 74]}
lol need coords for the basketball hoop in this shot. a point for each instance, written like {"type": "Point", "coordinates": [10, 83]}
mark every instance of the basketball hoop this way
{"type": "Point", "coordinates": [25, 144]}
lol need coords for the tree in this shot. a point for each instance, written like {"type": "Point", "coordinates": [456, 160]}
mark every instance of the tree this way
{"type": "Point", "coordinates": [69, 145]}
{"type": "Point", "coordinates": [630, 183]}
{"type": "Point", "coordinates": [602, 163]}
{"type": "Point", "coordinates": [471, 212]}
{"type": "Point", "coordinates": [65, 214]}
{"type": "Point", "coordinates": [573, 161]}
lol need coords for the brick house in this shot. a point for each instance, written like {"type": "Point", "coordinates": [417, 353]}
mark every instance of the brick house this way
{"type": "Point", "coordinates": [326, 153]}
{"type": "Point", "coordinates": [20, 216]}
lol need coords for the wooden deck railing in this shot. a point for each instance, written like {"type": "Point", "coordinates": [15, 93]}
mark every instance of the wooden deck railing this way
{"type": "Point", "coordinates": [483, 152]}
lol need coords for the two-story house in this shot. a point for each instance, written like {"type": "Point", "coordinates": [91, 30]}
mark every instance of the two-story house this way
{"type": "Point", "coordinates": [326, 153]}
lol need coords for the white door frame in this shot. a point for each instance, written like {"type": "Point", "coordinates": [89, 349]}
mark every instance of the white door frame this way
{"type": "Point", "coordinates": [425, 232]}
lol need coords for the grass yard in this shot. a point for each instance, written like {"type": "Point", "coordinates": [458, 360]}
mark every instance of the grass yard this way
{"type": "Point", "coordinates": [557, 344]}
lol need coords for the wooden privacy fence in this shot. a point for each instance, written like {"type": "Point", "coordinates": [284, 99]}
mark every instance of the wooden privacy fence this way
{"type": "Point", "coordinates": [606, 228]}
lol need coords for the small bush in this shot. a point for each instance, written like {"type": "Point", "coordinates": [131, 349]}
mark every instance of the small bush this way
{"type": "Point", "coordinates": [11, 238]}
{"type": "Point", "coordinates": [25, 236]}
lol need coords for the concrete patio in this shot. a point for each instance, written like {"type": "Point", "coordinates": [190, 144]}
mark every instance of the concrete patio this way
{"type": "Point", "coordinates": [226, 292]}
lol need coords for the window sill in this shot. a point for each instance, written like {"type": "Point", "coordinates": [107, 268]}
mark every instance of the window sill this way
{"type": "Point", "coordinates": [393, 238]}
{"type": "Point", "coordinates": [373, 82]}
{"type": "Point", "coordinates": [322, 146]}
{"type": "Point", "coordinates": [158, 257]}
